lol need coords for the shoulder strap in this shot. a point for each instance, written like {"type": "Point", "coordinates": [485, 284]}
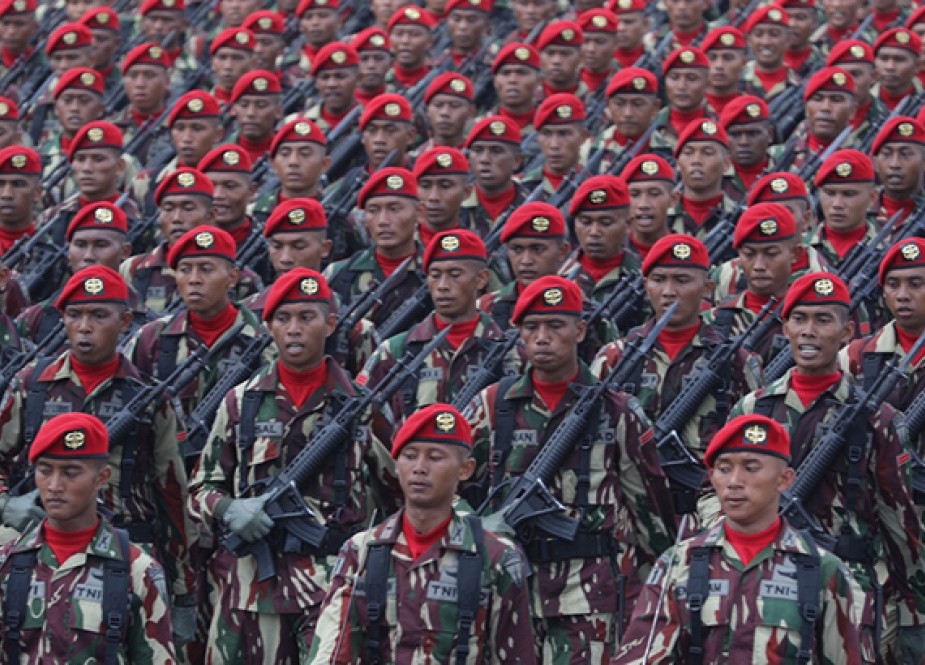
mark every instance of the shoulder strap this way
{"type": "Point", "coordinates": [469, 588]}
{"type": "Point", "coordinates": [764, 406]}
{"type": "Point", "coordinates": [698, 588]}
{"type": "Point", "coordinates": [142, 282]}
{"type": "Point", "coordinates": [872, 367]}
{"type": "Point", "coordinates": [167, 355]}
{"type": "Point", "coordinates": [808, 589]}
{"type": "Point", "coordinates": [504, 433]}
{"type": "Point", "coordinates": [409, 389]}
{"type": "Point", "coordinates": [247, 429]}
{"type": "Point", "coordinates": [584, 463]}
{"type": "Point", "coordinates": [36, 395]}
{"type": "Point", "coordinates": [376, 583]}
{"type": "Point", "coordinates": [116, 597]}
{"type": "Point", "coordinates": [127, 392]}
{"type": "Point", "coordinates": [16, 600]}
{"type": "Point", "coordinates": [723, 321]}
{"type": "Point", "coordinates": [501, 312]}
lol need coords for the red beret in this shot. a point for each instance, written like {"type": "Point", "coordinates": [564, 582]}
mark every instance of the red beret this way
{"type": "Point", "coordinates": [600, 192]}
{"type": "Point", "coordinates": [455, 245]}
{"type": "Point", "coordinates": [9, 110]}
{"type": "Point", "coordinates": [200, 242]}
{"type": "Point", "coordinates": [494, 128]}
{"type": "Point", "coordinates": [194, 104]}
{"type": "Point", "coordinates": [751, 433]}
{"type": "Point", "coordinates": [559, 109]}
{"type": "Point", "coordinates": [296, 216]}
{"type": "Point", "coordinates": [816, 288]}
{"type": "Point", "coordinates": [778, 186]}
{"type": "Point", "coordinates": [229, 158]}
{"type": "Point", "coordinates": [472, 5]}
{"type": "Point", "coordinates": [91, 285]}
{"type": "Point", "coordinates": [102, 215]}
{"type": "Point", "coordinates": [534, 220]}
{"type": "Point", "coordinates": [916, 17]}
{"type": "Point", "coordinates": [297, 131]}
{"type": "Point", "coordinates": [371, 39]}
{"type": "Point", "coordinates": [764, 222]}
{"type": "Point", "coordinates": [626, 6]}
{"type": "Point", "coordinates": [518, 54]}
{"type": "Point", "coordinates": [19, 159]}
{"type": "Point", "coordinates": [551, 294]}
{"type": "Point", "coordinates": [297, 285]}
{"type": "Point", "coordinates": [146, 54]}
{"type": "Point", "coordinates": [648, 167]}
{"type": "Point", "coordinates": [771, 14]}
{"type": "Point", "coordinates": [305, 5]}
{"type": "Point", "coordinates": [920, 116]}
{"type": "Point", "coordinates": [257, 82]}
{"type": "Point", "coordinates": [908, 253]}
{"type": "Point", "coordinates": [388, 106]}
{"type": "Point", "coordinates": [598, 20]}
{"type": "Point", "coordinates": [744, 110]}
{"type": "Point", "coordinates": [391, 181]}
{"type": "Point", "coordinates": [265, 22]}
{"type": "Point", "coordinates": [101, 18]}
{"type": "Point", "coordinates": [829, 79]}
{"type": "Point", "coordinates": [450, 83]}
{"type": "Point", "coordinates": [437, 423]}
{"type": "Point", "coordinates": [688, 57]}
{"type": "Point", "coordinates": [845, 166]}
{"type": "Point", "coordinates": [901, 129]}
{"type": "Point", "coordinates": [17, 7]}
{"type": "Point", "coordinates": [68, 36]}
{"type": "Point", "coordinates": [441, 161]}
{"type": "Point", "coordinates": [798, 4]}
{"type": "Point", "coordinates": [850, 50]}
{"type": "Point", "coordinates": [560, 33]}
{"type": "Point", "coordinates": [73, 435]}
{"type": "Point", "coordinates": [901, 38]}
{"type": "Point", "coordinates": [335, 55]}
{"type": "Point", "coordinates": [411, 15]}
{"type": "Point", "coordinates": [724, 37]}
{"type": "Point", "coordinates": [97, 134]}
{"type": "Point", "coordinates": [701, 130]}
{"type": "Point", "coordinates": [184, 181]}
{"type": "Point", "coordinates": [240, 39]}
{"type": "Point", "coordinates": [676, 250]}
{"type": "Point", "coordinates": [634, 81]}
{"type": "Point", "coordinates": [161, 6]}
{"type": "Point", "coordinates": [81, 78]}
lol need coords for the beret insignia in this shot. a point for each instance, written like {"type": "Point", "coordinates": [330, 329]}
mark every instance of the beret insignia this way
{"type": "Point", "coordinates": [296, 216]}
{"type": "Point", "coordinates": [445, 421]}
{"type": "Point", "coordinates": [755, 434]}
{"type": "Point", "coordinates": [204, 240]}
{"type": "Point", "coordinates": [75, 440]}
{"type": "Point", "coordinates": [910, 252]}
{"type": "Point", "coordinates": [186, 179]}
{"type": "Point", "coordinates": [552, 296]}
{"type": "Point", "coordinates": [18, 161]}
{"type": "Point", "coordinates": [93, 286]}
{"type": "Point", "coordinates": [309, 286]}
{"type": "Point", "coordinates": [95, 134]}
{"type": "Point", "coordinates": [394, 182]}
{"type": "Point", "coordinates": [103, 216]}
{"type": "Point", "coordinates": [824, 287]}
{"type": "Point", "coordinates": [682, 251]}
{"type": "Point", "coordinates": [449, 244]}
{"type": "Point", "coordinates": [540, 224]}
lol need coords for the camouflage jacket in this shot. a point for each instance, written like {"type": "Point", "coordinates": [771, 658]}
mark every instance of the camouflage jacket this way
{"type": "Point", "coordinates": [679, 221]}
{"type": "Point", "coordinates": [751, 614]}
{"type": "Point", "coordinates": [804, 68]}
{"type": "Point", "coordinates": [62, 214]}
{"type": "Point", "coordinates": [157, 140]}
{"type": "Point", "coordinates": [665, 137]}
{"type": "Point", "coordinates": [733, 313]}
{"type": "Point", "coordinates": [421, 615]}
{"type": "Point", "coordinates": [230, 467]}
{"type": "Point", "coordinates": [661, 380]}
{"type": "Point", "coordinates": [817, 240]}
{"type": "Point", "coordinates": [801, 150]}
{"type": "Point", "coordinates": [65, 620]}
{"type": "Point", "coordinates": [475, 217]}
{"type": "Point", "coordinates": [600, 291]}
{"type": "Point", "coordinates": [752, 84]}
{"type": "Point", "coordinates": [153, 505]}
{"type": "Point", "coordinates": [614, 151]}
{"type": "Point", "coordinates": [627, 495]}
{"type": "Point", "coordinates": [823, 39]}
{"type": "Point", "coordinates": [537, 177]}
{"type": "Point", "coordinates": [879, 513]}
{"type": "Point", "coordinates": [730, 278]}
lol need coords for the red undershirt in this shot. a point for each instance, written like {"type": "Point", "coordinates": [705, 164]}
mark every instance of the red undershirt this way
{"type": "Point", "coordinates": [892, 101]}
{"type": "Point", "coordinates": [9, 58]}
{"type": "Point", "coordinates": [387, 265]}
{"type": "Point", "coordinates": [699, 211]}
{"type": "Point", "coordinates": [211, 329]}
{"type": "Point", "coordinates": [861, 114]}
{"type": "Point", "coordinates": [921, 76]}
{"type": "Point", "coordinates": [85, 201]}
{"type": "Point", "coordinates": [256, 149]}
{"type": "Point", "coordinates": [554, 179]}
{"type": "Point", "coordinates": [408, 77]}
{"type": "Point", "coordinates": [843, 242]}
{"type": "Point", "coordinates": [681, 119]}
{"type": "Point", "coordinates": [365, 98]}
{"type": "Point", "coordinates": [816, 145]}
{"type": "Point", "coordinates": [749, 545]}
{"type": "Point", "coordinates": [520, 119]}
{"type": "Point", "coordinates": [796, 58]}
{"type": "Point", "coordinates": [495, 204]}
{"type": "Point", "coordinates": [302, 384]}
{"type": "Point", "coordinates": [240, 233]}
{"type": "Point", "coordinates": [222, 95]}
{"type": "Point", "coordinates": [65, 142]}
{"type": "Point", "coordinates": [548, 90]}
{"type": "Point", "coordinates": [333, 119]}
{"type": "Point", "coordinates": [552, 393]}
{"type": "Point", "coordinates": [173, 54]}
{"type": "Point", "coordinates": [881, 21]}
{"type": "Point", "coordinates": [754, 302]}
{"type": "Point", "coordinates": [718, 102]}
{"type": "Point", "coordinates": [619, 138]}
{"type": "Point", "coordinates": [139, 118]}
{"type": "Point", "coordinates": [838, 34]}
{"type": "Point", "coordinates": [802, 260]}
{"type": "Point", "coordinates": [771, 79]}
{"type": "Point", "coordinates": [65, 544]}
{"type": "Point", "coordinates": [629, 58]}
{"type": "Point", "coordinates": [674, 341]}
{"type": "Point", "coordinates": [600, 268]}
{"type": "Point", "coordinates": [642, 249]}
{"type": "Point", "coordinates": [750, 174]}
{"type": "Point", "coordinates": [593, 80]}
{"type": "Point", "coordinates": [427, 234]}
{"type": "Point", "coordinates": [92, 376]}
{"type": "Point", "coordinates": [7, 238]}
{"type": "Point", "coordinates": [809, 388]}
{"type": "Point", "coordinates": [459, 332]}
{"type": "Point", "coordinates": [906, 341]}
{"type": "Point", "coordinates": [687, 38]}
{"type": "Point", "coordinates": [418, 543]}
{"type": "Point", "coordinates": [309, 51]}
{"type": "Point", "coordinates": [892, 206]}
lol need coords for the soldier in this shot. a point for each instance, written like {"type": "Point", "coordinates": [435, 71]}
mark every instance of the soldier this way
{"type": "Point", "coordinates": [10, 131]}
{"type": "Point", "coordinates": [19, 26]}
{"type": "Point", "coordinates": [768, 75]}
{"type": "Point", "coordinates": [857, 58]}
{"type": "Point", "coordinates": [146, 492]}
{"type": "Point", "coordinates": [830, 106]}
{"type": "Point", "coordinates": [260, 427]}
{"type": "Point", "coordinates": [20, 194]}
{"type": "Point", "coordinates": [255, 105]}
{"type": "Point", "coordinates": [559, 124]}
{"type": "Point", "coordinates": [650, 184]}
{"type": "Point", "coordinates": [450, 101]}
{"type": "Point", "coordinates": [748, 125]}
{"type": "Point", "coordinates": [611, 483]}
{"type": "Point", "coordinates": [164, 22]}
{"type": "Point", "coordinates": [372, 46]}
{"type": "Point", "coordinates": [632, 26]}
{"type": "Point", "coordinates": [410, 37]}
{"type": "Point", "coordinates": [319, 23]}
{"type": "Point", "coordinates": [842, 21]}
{"type": "Point", "coordinates": [887, 14]}
{"type": "Point", "coordinates": [898, 157]}
{"type": "Point", "coordinates": [515, 76]}
{"type": "Point", "coordinates": [493, 145]}
{"type": "Point", "coordinates": [747, 572]}
{"type": "Point", "coordinates": [633, 104]}
{"type": "Point", "coordinates": [107, 42]}
{"type": "Point", "coordinates": [600, 40]}
{"type": "Point", "coordinates": [70, 45]}
{"type": "Point", "coordinates": [455, 265]}
{"type": "Point", "coordinates": [195, 125]}
{"type": "Point", "coordinates": [75, 604]}
{"type": "Point", "coordinates": [685, 72]}
{"type": "Point", "coordinates": [896, 57]}
{"type": "Point", "coordinates": [725, 48]}
{"type": "Point", "coordinates": [269, 29]}
{"type": "Point", "coordinates": [916, 23]}
{"type": "Point", "coordinates": [676, 271]}
{"type": "Point", "coordinates": [468, 24]}
{"type": "Point", "coordinates": [146, 79]}
{"type": "Point", "coordinates": [560, 61]}
{"type": "Point", "coordinates": [231, 57]}
{"type": "Point", "coordinates": [416, 550]}
{"type": "Point", "coordinates": [802, 56]}
{"type": "Point", "coordinates": [443, 179]}
{"type": "Point", "coordinates": [335, 70]}
{"type": "Point", "coordinates": [529, 14]}
{"type": "Point", "coordinates": [686, 22]}
{"type": "Point", "coordinates": [863, 499]}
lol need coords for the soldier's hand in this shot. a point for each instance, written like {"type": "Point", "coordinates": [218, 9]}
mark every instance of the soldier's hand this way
{"type": "Point", "coordinates": [20, 511]}
{"type": "Point", "coordinates": [246, 518]}
{"type": "Point", "coordinates": [183, 619]}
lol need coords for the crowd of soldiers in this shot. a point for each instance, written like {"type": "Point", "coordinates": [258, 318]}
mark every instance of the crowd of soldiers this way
{"type": "Point", "coordinates": [462, 331]}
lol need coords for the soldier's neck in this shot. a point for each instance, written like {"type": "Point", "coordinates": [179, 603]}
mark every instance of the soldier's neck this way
{"type": "Point", "coordinates": [424, 520]}
{"type": "Point", "coordinates": [565, 372]}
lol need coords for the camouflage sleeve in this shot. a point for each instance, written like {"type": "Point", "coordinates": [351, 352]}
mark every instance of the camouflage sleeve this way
{"type": "Point", "coordinates": [480, 414]}
{"type": "Point", "coordinates": [606, 358]}
{"type": "Point", "coordinates": [150, 636]}
{"type": "Point", "coordinates": [748, 371]}
{"type": "Point", "coordinates": [384, 419]}
{"type": "Point", "coordinates": [743, 407]}
{"type": "Point", "coordinates": [385, 491]}
{"type": "Point", "coordinates": [837, 632]}
{"type": "Point", "coordinates": [362, 346]}
{"type": "Point", "coordinates": [338, 635]}
{"type": "Point", "coordinates": [10, 431]}
{"type": "Point", "coordinates": [844, 362]}
{"type": "Point", "coordinates": [510, 629]}
{"type": "Point", "coordinates": [212, 484]}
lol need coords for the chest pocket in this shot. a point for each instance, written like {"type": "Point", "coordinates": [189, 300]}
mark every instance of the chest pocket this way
{"type": "Point", "coordinates": [86, 611]}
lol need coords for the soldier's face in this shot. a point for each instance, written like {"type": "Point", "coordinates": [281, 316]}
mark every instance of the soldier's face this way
{"type": "Point", "coordinates": [769, 44]}
{"type": "Point", "coordinates": [105, 43]}
{"type": "Point", "coordinates": [686, 286]}
{"type": "Point", "coordinates": [91, 247]}
{"type": "Point", "coordinates": [748, 144]}
{"type": "Point", "coordinates": [449, 115]}
{"type": "Point", "coordinates": [551, 341]}
{"type": "Point", "coordinates": [863, 75]}
{"type": "Point", "coordinates": [702, 164]}
{"type": "Point", "coordinates": [374, 65]}
{"type": "Point", "coordinates": [560, 64]}
{"type": "Point", "coordinates": [748, 486]}
{"type": "Point", "coordinates": [93, 330]}
{"type": "Point", "coordinates": [68, 489]}
{"type": "Point", "coordinates": [16, 30]}
{"type": "Point", "coordinates": [597, 50]}
{"type": "Point", "coordinates": [845, 206]}
{"type": "Point", "coordinates": [204, 283]}
{"type": "Point", "coordinates": [257, 115]}
{"type": "Point", "coordinates": [904, 293]}
{"type": "Point", "coordinates": [454, 287]}
{"type": "Point", "coordinates": [561, 146]}
{"type": "Point", "coordinates": [899, 168]}
{"type": "Point", "coordinates": [685, 15]}
{"type": "Point", "coordinates": [336, 87]}
{"type": "Point", "coordinates": [632, 114]}
{"type": "Point", "coordinates": [532, 258]}
{"type": "Point", "coordinates": [391, 222]}
{"type": "Point", "coordinates": [319, 26]}
{"type": "Point", "coordinates": [194, 137]}
{"type": "Point", "coordinates": [229, 65]}
{"type": "Point", "coordinates": [267, 48]}
{"type": "Point", "coordinates": [530, 13]}
{"type": "Point", "coordinates": [631, 29]}
{"type": "Point", "coordinates": [841, 14]}
{"type": "Point", "coordinates": [467, 28]}
{"type": "Point", "coordinates": [299, 166]}
{"type": "Point", "coordinates": [97, 171]}
{"type": "Point", "coordinates": [76, 108]}
{"type": "Point", "coordinates": [157, 25]}
{"type": "Point", "coordinates": [442, 197]}
{"type": "Point", "coordinates": [726, 67]}
{"type": "Point", "coordinates": [828, 113]}
{"type": "Point", "coordinates": [686, 88]}
{"type": "Point", "coordinates": [298, 250]}
{"type": "Point", "coordinates": [299, 330]}
{"type": "Point", "coordinates": [19, 194]}
{"type": "Point", "coordinates": [493, 165]}
{"type": "Point", "coordinates": [62, 61]}
{"type": "Point", "coordinates": [146, 87]}
{"type": "Point", "coordinates": [649, 205]}
{"type": "Point", "coordinates": [383, 10]}
{"type": "Point", "coordinates": [410, 44]}
{"type": "Point", "coordinates": [602, 233]}
{"type": "Point", "coordinates": [429, 473]}
{"type": "Point", "coordinates": [180, 213]}
{"type": "Point", "coordinates": [896, 69]}
{"type": "Point", "coordinates": [234, 12]}
{"type": "Point", "coordinates": [816, 333]}
{"type": "Point", "coordinates": [516, 85]}
{"type": "Point", "coordinates": [233, 192]}
{"type": "Point", "coordinates": [380, 137]}
{"type": "Point", "coordinates": [803, 22]}
{"type": "Point", "coordinates": [767, 266]}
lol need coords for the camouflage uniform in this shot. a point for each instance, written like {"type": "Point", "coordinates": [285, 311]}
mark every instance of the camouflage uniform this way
{"type": "Point", "coordinates": [679, 221]}
{"type": "Point", "coordinates": [65, 620]}
{"type": "Point", "coordinates": [814, 62]}
{"type": "Point", "coordinates": [614, 151]}
{"type": "Point", "coordinates": [156, 142]}
{"type": "Point", "coordinates": [283, 611]}
{"type": "Point", "coordinates": [751, 614]}
{"type": "Point", "coordinates": [151, 506]}
{"type": "Point", "coordinates": [665, 137]}
{"type": "Point", "coordinates": [730, 279]}
{"type": "Point", "coordinates": [824, 40]}
{"type": "Point", "coordinates": [733, 313]}
{"type": "Point", "coordinates": [62, 214]}
{"type": "Point", "coordinates": [537, 177]}
{"type": "Point", "coordinates": [474, 216]}
{"type": "Point", "coordinates": [624, 517]}
{"type": "Point", "coordinates": [752, 85]}
{"type": "Point", "coordinates": [600, 291]}
{"type": "Point", "coordinates": [802, 150]}
{"type": "Point", "coordinates": [872, 119]}
{"type": "Point", "coordinates": [421, 613]}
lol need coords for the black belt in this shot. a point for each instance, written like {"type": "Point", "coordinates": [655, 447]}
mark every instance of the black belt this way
{"type": "Point", "coordinates": [585, 546]}
{"type": "Point", "coordinates": [854, 548]}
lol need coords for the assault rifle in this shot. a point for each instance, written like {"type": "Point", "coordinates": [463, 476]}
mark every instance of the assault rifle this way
{"type": "Point", "coordinates": [789, 109]}
{"type": "Point", "coordinates": [412, 310]}
{"type": "Point", "coordinates": [530, 506]}
{"type": "Point", "coordinates": [55, 338]}
{"type": "Point", "coordinates": [621, 305]}
{"type": "Point", "coordinates": [335, 207]}
{"type": "Point", "coordinates": [652, 60]}
{"type": "Point", "coordinates": [685, 471]}
{"type": "Point", "coordinates": [719, 239]}
{"type": "Point", "coordinates": [292, 517]}
{"type": "Point", "coordinates": [489, 371]}
{"type": "Point", "coordinates": [631, 150]}
{"type": "Point", "coordinates": [568, 186]}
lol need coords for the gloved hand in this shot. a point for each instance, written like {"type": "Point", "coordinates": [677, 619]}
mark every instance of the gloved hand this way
{"type": "Point", "coordinates": [912, 644]}
{"type": "Point", "coordinates": [183, 619]}
{"type": "Point", "coordinates": [246, 518]}
{"type": "Point", "coordinates": [19, 511]}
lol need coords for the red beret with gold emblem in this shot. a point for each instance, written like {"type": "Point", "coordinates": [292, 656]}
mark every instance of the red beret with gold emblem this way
{"type": "Point", "coordinates": [229, 158]}
{"type": "Point", "coordinates": [648, 167]}
{"type": "Point", "coordinates": [101, 18]}
{"type": "Point", "coordinates": [297, 285]}
{"type": "Point", "coordinates": [901, 38]}
{"type": "Point", "coordinates": [296, 216]}
{"type": "Point", "coordinates": [676, 250]}
{"type": "Point", "coordinates": [901, 129]}
{"type": "Point", "coordinates": [916, 17]}
{"type": "Point", "coordinates": [437, 423]}
{"type": "Point", "coordinates": [9, 110]}
{"type": "Point", "coordinates": [450, 83]}
{"type": "Point", "coordinates": [816, 288]}
{"type": "Point", "coordinates": [559, 109]}
{"type": "Point", "coordinates": [161, 6]}
{"type": "Point", "coordinates": [632, 81]}
{"type": "Point", "coordinates": [239, 39]}
{"type": "Point", "coordinates": [764, 223]}
{"type": "Point", "coordinates": [494, 128]}
{"type": "Point", "coordinates": [146, 54]}
{"type": "Point", "coordinates": [772, 14]}
{"type": "Point", "coordinates": [516, 53]}
{"type": "Point", "coordinates": [388, 106]}
{"type": "Point", "coordinates": [701, 130]}
{"type": "Point", "coordinates": [725, 37]}
{"type": "Point", "coordinates": [201, 242]}
{"type": "Point", "coordinates": [335, 55]}
{"type": "Point", "coordinates": [687, 57]}
{"type": "Point", "coordinates": [265, 22]}
{"type": "Point", "coordinates": [829, 79]}
{"type": "Point", "coordinates": [10, 7]}
{"type": "Point", "coordinates": [534, 220]}
{"type": "Point", "coordinates": [560, 33]}
{"type": "Point", "coordinates": [598, 20]}
{"type": "Point", "coordinates": [299, 130]}
{"type": "Point", "coordinates": [850, 51]}
{"type": "Point", "coordinates": [441, 161]}
{"type": "Point", "coordinates": [185, 181]}
{"type": "Point", "coordinates": [778, 186]}
{"type": "Point", "coordinates": [744, 110]}
{"type": "Point", "coordinates": [101, 215]}
{"type": "Point", "coordinates": [626, 6]}
{"type": "Point", "coordinates": [391, 181]}
{"type": "Point", "coordinates": [194, 104]}
{"type": "Point", "coordinates": [305, 5]}
{"type": "Point", "coordinates": [751, 433]}
{"type": "Point", "coordinates": [93, 284]}
{"type": "Point", "coordinates": [81, 78]}
{"type": "Point", "coordinates": [98, 134]}
{"type": "Point", "coordinates": [454, 245]}
{"type": "Point", "coordinates": [371, 39]}
{"type": "Point", "coordinates": [909, 253]}
{"type": "Point", "coordinates": [258, 82]}
{"type": "Point", "coordinates": [472, 5]}
{"type": "Point", "coordinates": [412, 15]}
{"type": "Point", "coordinates": [847, 165]}
{"type": "Point", "coordinates": [74, 435]}
{"type": "Point", "coordinates": [600, 192]}
{"type": "Point", "coordinates": [18, 159]}
{"type": "Point", "coordinates": [69, 36]}
{"type": "Point", "coordinates": [550, 294]}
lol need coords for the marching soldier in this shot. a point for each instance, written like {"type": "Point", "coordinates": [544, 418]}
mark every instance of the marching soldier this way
{"type": "Point", "coordinates": [335, 69]}
{"type": "Point", "coordinates": [410, 37]}
{"type": "Point", "coordinates": [748, 126]}
{"type": "Point", "coordinates": [633, 103]}
{"type": "Point", "coordinates": [830, 107]}
{"type": "Point", "coordinates": [69, 47]}
{"type": "Point", "coordinates": [515, 77]}
{"type": "Point", "coordinates": [686, 22]}
{"type": "Point", "coordinates": [896, 57]}
{"type": "Point", "coordinates": [269, 29]}
{"type": "Point", "coordinates": [195, 125]}
{"type": "Point", "coordinates": [842, 21]}
{"type": "Point", "coordinates": [802, 56]}
{"type": "Point", "coordinates": [164, 22]}
{"type": "Point", "coordinates": [106, 28]}
{"type": "Point", "coordinates": [319, 23]}
{"type": "Point", "coordinates": [20, 194]}
{"type": "Point", "coordinates": [559, 125]}
{"type": "Point", "coordinates": [857, 58]}
{"type": "Point", "coordinates": [10, 131]}
{"type": "Point", "coordinates": [898, 151]}
{"type": "Point", "coordinates": [468, 24]}
{"type": "Point", "coordinates": [560, 61]}
{"type": "Point", "coordinates": [650, 184]}
{"type": "Point", "coordinates": [632, 25]}
{"type": "Point", "coordinates": [255, 105]}
{"type": "Point", "coordinates": [19, 26]}
{"type": "Point", "coordinates": [450, 109]}
{"type": "Point", "coordinates": [146, 79]}
{"type": "Point", "coordinates": [685, 73]}
{"type": "Point", "coordinates": [231, 56]}
{"type": "Point", "coordinates": [372, 46]}
{"type": "Point", "coordinates": [443, 179]}
{"type": "Point", "coordinates": [493, 146]}
{"type": "Point", "coordinates": [600, 40]}
{"type": "Point", "coordinates": [768, 34]}
{"type": "Point", "coordinates": [725, 47]}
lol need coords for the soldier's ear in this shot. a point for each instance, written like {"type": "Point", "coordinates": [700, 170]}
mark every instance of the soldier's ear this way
{"type": "Point", "coordinates": [467, 468]}
{"type": "Point", "coordinates": [104, 475]}
{"type": "Point", "coordinates": [787, 477]}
